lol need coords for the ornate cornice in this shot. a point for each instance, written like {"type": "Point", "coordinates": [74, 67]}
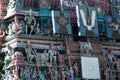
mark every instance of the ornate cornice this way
{"type": "Point", "coordinates": [36, 37]}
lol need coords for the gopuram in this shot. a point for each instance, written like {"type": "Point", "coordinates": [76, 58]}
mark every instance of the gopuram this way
{"type": "Point", "coordinates": [59, 40]}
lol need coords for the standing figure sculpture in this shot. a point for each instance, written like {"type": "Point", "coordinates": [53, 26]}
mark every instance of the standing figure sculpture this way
{"type": "Point", "coordinates": [43, 59]}
{"type": "Point", "coordinates": [52, 56]}
{"type": "Point", "coordinates": [115, 26]}
{"type": "Point", "coordinates": [50, 74]}
{"type": "Point", "coordinates": [30, 53]}
{"type": "Point", "coordinates": [71, 74]}
{"type": "Point", "coordinates": [30, 22]}
{"type": "Point", "coordinates": [76, 70]}
{"type": "Point", "coordinates": [10, 30]}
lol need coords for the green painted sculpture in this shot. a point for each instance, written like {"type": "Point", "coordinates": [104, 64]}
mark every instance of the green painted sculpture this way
{"type": "Point", "coordinates": [30, 22]}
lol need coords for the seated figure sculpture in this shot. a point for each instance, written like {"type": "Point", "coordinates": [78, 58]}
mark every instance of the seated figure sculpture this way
{"type": "Point", "coordinates": [16, 27]}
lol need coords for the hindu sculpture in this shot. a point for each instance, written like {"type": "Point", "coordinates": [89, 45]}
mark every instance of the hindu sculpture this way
{"type": "Point", "coordinates": [114, 25]}
{"type": "Point", "coordinates": [30, 53]}
{"type": "Point", "coordinates": [35, 45]}
{"type": "Point", "coordinates": [63, 21]}
{"type": "Point", "coordinates": [30, 22]}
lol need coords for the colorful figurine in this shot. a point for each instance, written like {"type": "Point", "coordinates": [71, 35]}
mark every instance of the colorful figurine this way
{"type": "Point", "coordinates": [22, 75]}
{"type": "Point", "coordinates": [30, 22]}
{"type": "Point", "coordinates": [71, 74]}
{"type": "Point", "coordinates": [50, 74]}
{"type": "Point", "coordinates": [115, 26]}
{"type": "Point", "coordinates": [52, 57]}
{"type": "Point", "coordinates": [30, 53]}
{"type": "Point", "coordinates": [17, 26]}
{"type": "Point", "coordinates": [38, 30]}
{"type": "Point", "coordinates": [10, 30]}
{"type": "Point", "coordinates": [43, 59]}
{"type": "Point", "coordinates": [76, 70]}
{"type": "Point", "coordinates": [34, 75]}
{"type": "Point", "coordinates": [67, 72]}
{"type": "Point", "coordinates": [55, 74]}
{"type": "Point", "coordinates": [63, 73]}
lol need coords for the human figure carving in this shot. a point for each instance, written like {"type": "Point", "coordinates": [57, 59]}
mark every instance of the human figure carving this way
{"type": "Point", "coordinates": [115, 27]}
{"type": "Point", "coordinates": [17, 26]}
{"type": "Point", "coordinates": [53, 56]}
{"type": "Point", "coordinates": [30, 22]}
{"type": "Point", "coordinates": [76, 70]}
{"type": "Point", "coordinates": [30, 52]}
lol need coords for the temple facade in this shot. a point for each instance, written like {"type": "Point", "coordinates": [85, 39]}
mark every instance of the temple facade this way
{"type": "Point", "coordinates": [59, 40]}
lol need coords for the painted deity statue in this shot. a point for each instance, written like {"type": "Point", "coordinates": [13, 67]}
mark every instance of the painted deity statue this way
{"type": "Point", "coordinates": [22, 75]}
{"type": "Point", "coordinates": [30, 22]}
{"type": "Point", "coordinates": [10, 30]}
{"type": "Point", "coordinates": [50, 74]}
{"type": "Point", "coordinates": [54, 75]}
{"type": "Point", "coordinates": [67, 72]}
{"type": "Point", "coordinates": [63, 73]}
{"type": "Point", "coordinates": [38, 30]}
{"type": "Point", "coordinates": [17, 26]}
{"type": "Point", "coordinates": [71, 74]}
{"type": "Point", "coordinates": [52, 56]}
{"type": "Point", "coordinates": [76, 70]}
{"type": "Point", "coordinates": [15, 59]}
{"type": "Point", "coordinates": [34, 75]}
{"type": "Point", "coordinates": [26, 72]}
{"type": "Point", "coordinates": [115, 27]}
{"type": "Point", "coordinates": [85, 47]}
{"type": "Point", "coordinates": [41, 75]}
{"type": "Point", "coordinates": [43, 59]}
{"type": "Point", "coordinates": [30, 53]}
{"type": "Point", "coordinates": [7, 60]}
